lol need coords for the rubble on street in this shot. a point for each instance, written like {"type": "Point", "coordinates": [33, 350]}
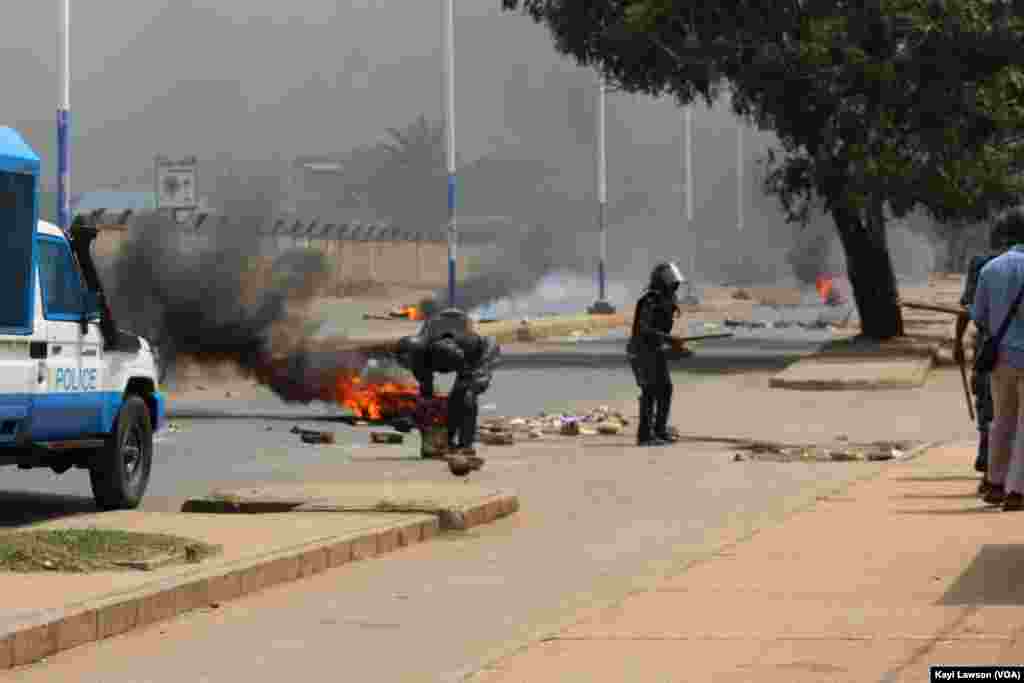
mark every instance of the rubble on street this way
{"type": "Point", "coordinates": [314, 437]}
{"type": "Point", "coordinates": [878, 451]}
{"type": "Point", "coordinates": [507, 430]}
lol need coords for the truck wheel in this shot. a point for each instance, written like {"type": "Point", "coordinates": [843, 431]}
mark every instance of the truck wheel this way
{"type": "Point", "coordinates": [120, 470]}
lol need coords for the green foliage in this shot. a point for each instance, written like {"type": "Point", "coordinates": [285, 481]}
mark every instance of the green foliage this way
{"type": "Point", "coordinates": [913, 102]}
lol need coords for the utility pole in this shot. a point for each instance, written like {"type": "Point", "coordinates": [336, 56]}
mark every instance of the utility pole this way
{"type": "Point", "coordinates": [64, 119]}
{"type": "Point", "coordinates": [602, 306]}
{"type": "Point", "coordinates": [688, 184]}
{"type": "Point", "coordinates": [449, 49]}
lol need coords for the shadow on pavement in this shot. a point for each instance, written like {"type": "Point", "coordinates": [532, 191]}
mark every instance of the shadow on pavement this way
{"type": "Point", "coordinates": [980, 510]}
{"type": "Point", "coordinates": [991, 579]}
{"type": "Point", "coordinates": [21, 508]}
{"type": "Point", "coordinates": [942, 496]}
{"type": "Point", "coordinates": [954, 477]}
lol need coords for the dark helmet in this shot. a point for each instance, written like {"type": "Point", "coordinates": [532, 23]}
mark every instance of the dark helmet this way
{"type": "Point", "coordinates": [449, 322]}
{"type": "Point", "coordinates": [409, 348]}
{"type": "Point", "coordinates": [666, 278]}
{"type": "Point", "coordinates": [446, 355]}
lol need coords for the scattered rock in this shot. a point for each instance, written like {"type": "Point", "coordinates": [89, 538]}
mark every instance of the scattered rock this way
{"type": "Point", "coordinates": [843, 456]}
{"type": "Point", "coordinates": [536, 434]}
{"type": "Point", "coordinates": [316, 437]}
{"type": "Point", "coordinates": [497, 438]}
{"type": "Point", "coordinates": [570, 428]}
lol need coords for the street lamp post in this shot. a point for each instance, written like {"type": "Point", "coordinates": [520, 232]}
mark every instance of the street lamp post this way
{"type": "Point", "coordinates": [64, 119]}
{"type": "Point", "coordinates": [688, 183]}
{"type": "Point", "coordinates": [602, 306]}
{"type": "Point", "coordinates": [449, 115]}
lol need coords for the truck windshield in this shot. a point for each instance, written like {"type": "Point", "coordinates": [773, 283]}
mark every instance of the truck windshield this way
{"type": "Point", "coordinates": [17, 222]}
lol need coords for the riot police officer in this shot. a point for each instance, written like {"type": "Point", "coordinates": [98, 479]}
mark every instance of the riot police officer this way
{"type": "Point", "coordinates": [981, 387]}
{"type": "Point", "coordinates": [649, 343]}
{"type": "Point", "coordinates": [447, 343]}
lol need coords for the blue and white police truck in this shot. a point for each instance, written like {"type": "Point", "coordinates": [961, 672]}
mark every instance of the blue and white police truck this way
{"type": "Point", "coordinates": [75, 390]}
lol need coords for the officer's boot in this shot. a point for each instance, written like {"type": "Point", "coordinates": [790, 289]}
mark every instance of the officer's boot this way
{"type": "Point", "coordinates": [645, 427]}
{"type": "Point", "coordinates": [662, 412]}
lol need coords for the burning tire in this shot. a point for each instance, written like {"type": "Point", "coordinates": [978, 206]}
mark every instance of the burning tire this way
{"type": "Point", "coordinates": [119, 472]}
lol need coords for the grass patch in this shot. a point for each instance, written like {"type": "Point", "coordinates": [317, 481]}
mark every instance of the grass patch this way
{"type": "Point", "coordinates": [93, 550]}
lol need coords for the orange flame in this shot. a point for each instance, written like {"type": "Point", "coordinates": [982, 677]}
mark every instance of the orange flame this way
{"type": "Point", "coordinates": [411, 312]}
{"type": "Point", "coordinates": [824, 284]}
{"type": "Point", "coordinates": [374, 400]}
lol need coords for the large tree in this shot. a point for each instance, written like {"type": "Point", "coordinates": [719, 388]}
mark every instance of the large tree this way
{"type": "Point", "coordinates": [881, 107]}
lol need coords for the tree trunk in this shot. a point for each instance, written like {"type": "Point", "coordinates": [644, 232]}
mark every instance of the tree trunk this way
{"type": "Point", "coordinates": [870, 270]}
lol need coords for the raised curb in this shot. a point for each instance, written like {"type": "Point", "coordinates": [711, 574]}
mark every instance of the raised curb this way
{"type": "Point", "coordinates": [911, 380]}
{"type": "Point", "coordinates": [454, 518]}
{"type": "Point", "coordinates": [93, 619]}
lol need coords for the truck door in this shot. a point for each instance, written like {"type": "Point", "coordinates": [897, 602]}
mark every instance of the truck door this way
{"type": "Point", "coordinates": [17, 311]}
{"type": "Point", "coordinates": [72, 404]}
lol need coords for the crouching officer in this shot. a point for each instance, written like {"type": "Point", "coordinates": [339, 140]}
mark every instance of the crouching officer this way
{"type": "Point", "coordinates": [448, 343]}
{"type": "Point", "coordinates": [647, 350]}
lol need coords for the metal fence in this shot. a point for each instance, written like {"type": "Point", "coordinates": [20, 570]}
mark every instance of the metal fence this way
{"type": "Point", "coordinates": [303, 231]}
{"type": "Point", "coordinates": [359, 252]}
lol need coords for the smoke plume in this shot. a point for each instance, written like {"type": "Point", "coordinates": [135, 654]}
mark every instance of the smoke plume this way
{"type": "Point", "coordinates": [212, 298]}
{"type": "Point", "coordinates": [519, 261]}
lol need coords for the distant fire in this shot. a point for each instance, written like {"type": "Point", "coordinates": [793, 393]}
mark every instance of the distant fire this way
{"type": "Point", "coordinates": [828, 290]}
{"type": "Point", "coordinates": [409, 312]}
{"type": "Point", "coordinates": [374, 400]}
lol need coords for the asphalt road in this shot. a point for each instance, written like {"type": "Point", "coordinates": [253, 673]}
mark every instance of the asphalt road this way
{"type": "Point", "coordinates": [595, 523]}
{"type": "Point", "coordinates": [232, 441]}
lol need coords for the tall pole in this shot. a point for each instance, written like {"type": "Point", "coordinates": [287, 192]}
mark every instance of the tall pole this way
{"type": "Point", "coordinates": [739, 176]}
{"type": "Point", "coordinates": [64, 119]}
{"type": "Point", "coordinates": [688, 183]}
{"type": "Point", "coordinates": [449, 115]}
{"type": "Point", "coordinates": [602, 185]}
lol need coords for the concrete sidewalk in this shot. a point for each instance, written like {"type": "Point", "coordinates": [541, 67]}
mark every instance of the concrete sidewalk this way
{"type": "Point", "coordinates": [305, 530]}
{"type": "Point", "coordinates": [897, 573]}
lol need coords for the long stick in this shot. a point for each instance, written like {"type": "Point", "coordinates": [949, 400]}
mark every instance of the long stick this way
{"type": "Point", "coordinates": [702, 337]}
{"type": "Point", "coordinates": [967, 391]}
{"type": "Point", "coordinates": [938, 308]}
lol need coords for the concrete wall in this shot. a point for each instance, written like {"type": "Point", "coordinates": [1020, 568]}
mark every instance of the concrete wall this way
{"type": "Point", "coordinates": [418, 264]}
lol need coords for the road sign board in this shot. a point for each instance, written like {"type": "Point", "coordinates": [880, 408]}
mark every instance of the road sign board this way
{"type": "Point", "coordinates": [176, 183]}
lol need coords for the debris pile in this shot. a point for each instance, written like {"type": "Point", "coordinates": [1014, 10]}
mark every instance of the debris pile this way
{"type": "Point", "coordinates": [877, 451]}
{"type": "Point", "coordinates": [504, 431]}
{"type": "Point", "coordinates": [314, 437]}
{"type": "Point", "coordinates": [818, 324]}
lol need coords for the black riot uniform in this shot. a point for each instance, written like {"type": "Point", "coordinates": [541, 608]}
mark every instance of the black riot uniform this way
{"type": "Point", "coordinates": [981, 385]}
{"type": "Point", "coordinates": [652, 324]}
{"type": "Point", "coordinates": [447, 343]}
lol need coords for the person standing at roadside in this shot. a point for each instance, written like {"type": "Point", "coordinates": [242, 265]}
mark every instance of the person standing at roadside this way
{"type": "Point", "coordinates": [649, 343]}
{"type": "Point", "coordinates": [1000, 283]}
{"type": "Point", "coordinates": [980, 382]}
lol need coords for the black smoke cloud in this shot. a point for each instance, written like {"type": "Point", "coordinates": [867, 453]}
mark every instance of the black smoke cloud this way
{"type": "Point", "coordinates": [188, 295]}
